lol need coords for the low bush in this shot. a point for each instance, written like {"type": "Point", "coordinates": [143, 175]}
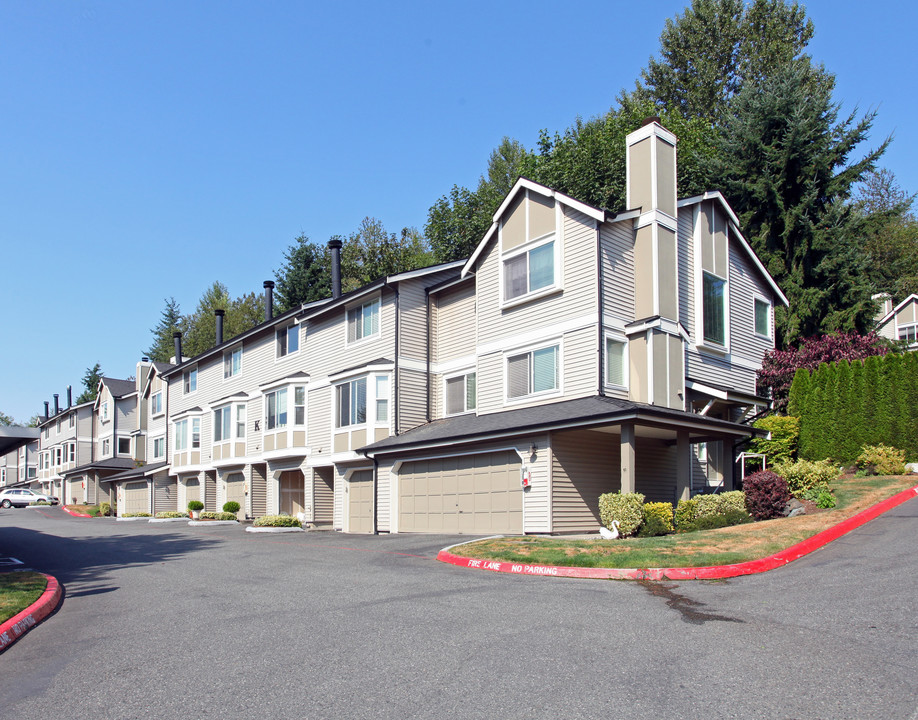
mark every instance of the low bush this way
{"type": "Point", "coordinates": [766, 494]}
{"type": "Point", "coordinates": [136, 515]}
{"type": "Point", "coordinates": [218, 516]}
{"type": "Point", "coordinates": [231, 507]}
{"type": "Point", "coordinates": [882, 460]}
{"type": "Point", "coordinates": [277, 521]}
{"type": "Point", "coordinates": [711, 522]}
{"type": "Point", "coordinates": [626, 508]}
{"type": "Point", "coordinates": [824, 499]}
{"type": "Point", "coordinates": [685, 513]}
{"type": "Point", "coordinates": [658, 519]}
{"type": "Point", "coordinates": [806, 476]}
{"type": "Point", "coordinates": [40, 502]}
{"type": "Point", "coordinates": [105, 509]}
{"type": "Point", "coordinates": [707, 506]}
{"type": "Point", "coordinates": [195, 505]}
{"type": "Point", "coordinates": [171, 514]}
{"type": "Point", "coordinates": [734, 500]}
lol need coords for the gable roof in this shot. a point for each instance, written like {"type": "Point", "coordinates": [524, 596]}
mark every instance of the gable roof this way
{"type": "Point", "coordinates": [892, 313]}
{"type": "Point", "coordinates": [118, 388]}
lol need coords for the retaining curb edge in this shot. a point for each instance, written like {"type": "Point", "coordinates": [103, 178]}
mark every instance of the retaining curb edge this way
{"type": "Point", "coordinates": [22, 622]}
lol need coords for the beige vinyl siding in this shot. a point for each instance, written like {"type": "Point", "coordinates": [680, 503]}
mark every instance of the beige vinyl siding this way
{"type": "Point", "coordinates": [165, 493]}
{"type": "Point", "coordinates": [617, 242]}
{"type": "Point", "coordinates": [745, 284]}
{"type": "Point", "coordinates": [319, 418]}
{"type": "Point", "coordinates": [455, 322]}
{"type": "Point", "coordinates": [888, 330]}
{"type": "Point", "coordinates": [384, 498]}
{"type": "Point", "coordinates": [585, 464]}
{"type": "Point", "coordinates": [127, 416]}
{"type": "Point", "coordinates": [258, 491]}
{"type": "Point", "coordinates": [686, 250]}
{"type": "Point", "coordinates": [338, 515]}
{"type": "Point", "coordinates": [655, 470]}
{"type": "Point", "coordinates": [412, 398]}
{"type": "Point", "coordinates": [413, 321]}
{"type": "Point", "coordinates": [323, 495]}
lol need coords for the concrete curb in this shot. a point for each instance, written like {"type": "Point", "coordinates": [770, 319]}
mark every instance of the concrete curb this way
{"type": "Point", "coordinates": [75, 513]}
{"type": "Point", "coordinates": [168, 520]}
{"type": "Point", "coordinates": [751, 567]}
{"type": "Point", "coordinates": [273, 529]}
{"type": "Point", "coordinates": [213, 522]}
{"type": "Point", "coordinates": [21, 623]}
{"type": "Point", "coordinates": [133, 519]}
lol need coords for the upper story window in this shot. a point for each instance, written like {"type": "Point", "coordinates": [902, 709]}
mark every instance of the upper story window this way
{"type": "Point", "coordinates": [58, 455]}
{"type": "Point", "coordinates": [232, 363]}
{"type": "Point", "coordinates": [124, 446]}
{"type": "Point", "coordinates": [71, 452]}
{"type": "Point", "coordinates": [72, 420]}
{"type": "Point", "coordinates": [363, 320]}
{"type": "Point", "coordinates": [351, 403]}
{"type": "Point", "coordinates": [714, 309]}
{"type": "Point", "coordinates": [288, 340]}
{"type": "Point", "coordinates": [106, 447]}
{"type": "Point", "coordinates": [181, 435]}
{"type": "Point", "coordinates": [762, 319]}
{"type": "Point", "coordinates": [276, 409]}
{"type": "Point", "coordinates": [44, 433]}
{"type": "Point", "coordinates": [104, 413]}
{"type": "Point", "coordinates": [182, 439]}
{"type": "Point", "coordinates": [461, 394]}
{"type": "Point", "coordinates": [533, 372]}
{"type": "Point", "coordinates": [190, 381]}
{"type": "Point", "coordinates": [382, 398]}
{"type": "Point", "coordinates": [58, 428]}
{"type": "Point", "coordinates": [229, 420]}
{"type": "Point", "coordinates": [299, 405]}
{"type": "Point", "coordinates": [240, 421]}
{"type": "Point", "coordinates": [156, 403]}
{"type": "Point", "coordinates": [529, 271]}
{"type": "Point", "coordinates": [159, 448]}
{"type": "Point", "coordinates": [616, 362]}
{"type": "Point", "coordinates": [909, 333]}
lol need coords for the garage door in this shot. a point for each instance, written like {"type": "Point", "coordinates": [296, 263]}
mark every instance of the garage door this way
{"type": "Point", "coordinates": [235, 491]}
{"type": "Point", "coordinates": [477, 494]}
{"type": "Point", "coordinates": [136, 498]}
{"type": "Point", "coordinates": [359, 489]}
{"type": "Point", "coordinates": [192, 490]}
{"type": "Point", "coordinates": [74, 491]}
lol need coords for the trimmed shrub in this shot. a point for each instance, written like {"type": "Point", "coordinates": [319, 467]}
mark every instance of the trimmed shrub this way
{"type": "Point", "coordinates": [685, 513]}
{"type": "Point", "coordinates": [711, 522]}
{"type": "Point", "coordinates": [626, 508]}
{"type": "Point", "coordinates": [218, 516]}
{"type": "Point", "coordinates": [883, 460]}
{"type": "Point", "coordinates": [766, 494]}
{"type": "Point", "coordinates": [785, 434]}
{"type": "Point", "coordinates": [805, 476]}
{"type": "Point", "coordinates": [660, 514]}
{"type": "Point", "coordinates": [136, 515]}
{"type": "Point", "coordinates": [195, 505]}
{"type": "Point", "coordinates": [734, 500]}
{"type": "Point", "coordinates": [231, 507]}
{"type": "Point", "coordinates": [707, 506]}
{"type": "Point", "coordinates": [40, 502]}
{"type": "Point", "coordinates": [277, 521]}
{"type": "Point", "coordinates": [171, 514]}
{"type": "Point", "coordinates": [105, 508]}
{"type": "Point", "coordinates": [824, 499]}
{"type": "Point", "coordinates": [654, 526]}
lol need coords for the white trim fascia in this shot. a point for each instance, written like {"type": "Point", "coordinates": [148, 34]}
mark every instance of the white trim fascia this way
{"type": "Point", "coordinates": [184, 414]}
{"type": "Point", "coordinates": [549, 332]}
{"type": "Point", "coordinates": [626, 215]}
{"type": "Point", "coordinates": [214, 404]}
{"type": "Point", "coordinates": [892, 313]}
{"type": "Point", "coordinates": [421, 272]}
{"type": "Point", "coordinates": [656, 216]}
{"type": "Point", "coordinates": [335, 378]}
{"type": "Point", "coordinates": [412, 364]}
{"type": "Point", "coordinates": [652, 129]}
{"type": "Point", "coordinates": [288, 452]}
{"type": "Point", "coordinates": [456, 364]}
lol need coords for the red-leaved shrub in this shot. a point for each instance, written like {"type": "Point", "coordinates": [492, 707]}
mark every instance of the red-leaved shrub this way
{"type": "Point", "coordinates": [766, 494]}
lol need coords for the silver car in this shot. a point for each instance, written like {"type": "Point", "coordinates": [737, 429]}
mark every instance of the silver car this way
{"type": "Point", "coordinates": [21, 497]}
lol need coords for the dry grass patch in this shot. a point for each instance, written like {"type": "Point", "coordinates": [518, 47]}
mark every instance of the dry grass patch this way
{"type": "Point", "coordinates": [722, 546]}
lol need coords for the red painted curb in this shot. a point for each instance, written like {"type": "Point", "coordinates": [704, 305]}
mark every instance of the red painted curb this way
{"type": "Point", "coordinates": [698, 573]}
{"type": "Point", "coordinates": [74, 512]}
{"type": "Point", "coordinates": [21, 623]}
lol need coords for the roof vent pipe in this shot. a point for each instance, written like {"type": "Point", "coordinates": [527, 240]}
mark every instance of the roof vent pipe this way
{"type": "Point", "coordinates": [46, 409]}
{"type": "Point", "coordinates": [269, 300]}
{"type": "Point", "coordinates": [335, 246]}
{"type": "Point", "coordinates": [219, 315]}
{"type": "Point", "coordinates": [57, 403]}
{"type": "Point", "coordinates": [177, 340]}
{"type": "Point", "coordinates": [69, 396]}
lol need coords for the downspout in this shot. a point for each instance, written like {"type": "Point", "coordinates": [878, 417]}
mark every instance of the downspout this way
{"type": "Point", "coordinates": [600, 314]}
{"type": "Point", "coordinates": [427, 379]}
{"type": "Point", "coordinates": [375, 495]}
{"type": "Point", "coordinates": [396, 393]}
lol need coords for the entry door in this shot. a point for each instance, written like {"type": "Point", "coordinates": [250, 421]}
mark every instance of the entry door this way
{"type": "Point", "coordinates": [359, 490]}
{"type": "Point", "coordinates": [292, 491]}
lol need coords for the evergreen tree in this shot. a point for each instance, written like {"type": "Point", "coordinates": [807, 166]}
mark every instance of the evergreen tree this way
{"type": "Point", "coordinates": [305, 275]}
{"type": "Point", "coordinates": [800, 389]}
{"type": "Point", "coordinates": [844, 429]}
{"type": "Point", "coordinates": [91, 379]}
{"type": "Point", "coordinates": [170, 321]}
{"type": "Point", "coordinates": [857, 421]}
{"type": "Point", "coordinates": [872, 392]}
{"type": "Point", "coordinates": [886, 398]}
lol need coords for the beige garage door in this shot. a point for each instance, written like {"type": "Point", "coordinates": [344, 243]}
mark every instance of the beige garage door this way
{"type": "Point", "coordinates": [136, 498]}
{"type": "Point", "coordinates": [192, 490]}
{"type": "Point", "coordinates": [235, 490]}
{"type": "Point", "coordinates": [359, 489]}
{"type": "Point", "coordinates": [477, 494]}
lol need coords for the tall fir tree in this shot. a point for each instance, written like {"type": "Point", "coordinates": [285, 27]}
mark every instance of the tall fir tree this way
{"type": "Point", "coordinates": [170, 322]}
{"type": "Point", "coordinates": [305, 275]}
{"type": "Point", "coordinates": [797, 397]}
{"type": "Point", "coordinates": [90, 381]}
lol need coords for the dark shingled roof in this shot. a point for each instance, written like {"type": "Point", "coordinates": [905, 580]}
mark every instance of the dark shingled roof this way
{"type": "Point", "coordinates": [597, 410]}
{"type": "Point", "coordinates": [107, 464]}
{"type": "Point", "coordinates": [119, 388]}
{"type": "Point", "coordinates": [136, 472]}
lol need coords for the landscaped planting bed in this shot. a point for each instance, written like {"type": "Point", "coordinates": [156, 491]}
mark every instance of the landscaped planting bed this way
{"type": "Point", "coordinates": [18, 590]}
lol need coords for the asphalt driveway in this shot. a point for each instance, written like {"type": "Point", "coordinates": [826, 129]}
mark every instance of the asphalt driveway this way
{"type": "Point", "coordinates": [177, 622]}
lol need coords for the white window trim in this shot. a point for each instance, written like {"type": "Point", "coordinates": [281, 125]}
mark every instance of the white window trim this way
{"type": "Point", "coordinates": [556, 287]}
{"type": "Point", "coordinates": [370, 398]}
{"type": "Point", "coordinates": [153, 450]}
{"type": "Point", "coordinates": [161, 404]}
{"type": "Point", "coordinates": [188, 372]}
{"type": "Point", "coordinates": [700, 343]}
{"type": "Point", "coordinates": [525, 399]}
{"type": "Point", "coordinates": [626, 365]}
{"type": "Point", "coordinates": [376, 298]}
{"type": "Point", "coordinates": [264, 409]}
{"type": "Point", "coordinates": [756, 297]}
{"type": "Point", "coordinates": [229, 353]}
{"type": "Point", "coordinates": [452, 376]}
{"type": "Point", "coordinates": [906, 326]}
{"type": "Point", "coordinates": [103, 414]}
{"type": "Point", "coordinates": [281, 358]}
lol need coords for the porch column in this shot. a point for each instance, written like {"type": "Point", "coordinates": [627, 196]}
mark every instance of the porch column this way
{"type": "Point", "coordinates": [683, 466]}
{"type": "Point", "coordinates": [627, 455]}
{"type": "Point", "coordinates": [727, 463]}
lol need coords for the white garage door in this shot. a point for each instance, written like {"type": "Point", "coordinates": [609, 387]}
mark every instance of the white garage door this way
{"type": "Point", "coordinates": [477, 494]}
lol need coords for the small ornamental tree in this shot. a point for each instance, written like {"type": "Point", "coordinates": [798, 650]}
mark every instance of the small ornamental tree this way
{"type": "Point", "coordinates": [766, 494]}
{"type": "Point", "coordinates": [780, 366]}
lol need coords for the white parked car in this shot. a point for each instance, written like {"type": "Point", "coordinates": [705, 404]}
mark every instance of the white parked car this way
{"type": "Point", "coordinates": [20, 497]}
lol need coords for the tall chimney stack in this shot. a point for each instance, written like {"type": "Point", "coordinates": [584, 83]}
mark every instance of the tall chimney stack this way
{"type": "Point", "coordinates": [269, 300]}
{"type": "Point", "coordinates": [57, 403]}
{"type": "Point", "coordinates": [69, 396]}
{"type": "Point", "coordinates": [46, 409]}
{"type": "Point", "coordinates": [177, 340]}
{"type": "Point", "coordinates": [335, 246]}
{"type": "Point", "coordinates": [219, 316]}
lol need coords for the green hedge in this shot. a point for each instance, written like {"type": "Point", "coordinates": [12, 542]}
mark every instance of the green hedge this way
{"type": "Point", "coordinates": [626, 508]}
{"type": "Point", "coordinates": [277, 521]}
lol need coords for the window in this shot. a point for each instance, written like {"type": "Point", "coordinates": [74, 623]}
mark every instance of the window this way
{"type": "Point", "coordinates": [58, 456]}
{"type": "Point", "coordinates": [190, 381]}
{"type": "Point", "coordinates": [195, 433]}
{"type": "Point", "coordinates": [382, 398]}
{"type": "Point", "coordinates": [762, 309]}
{"type": "Point", "coordinates": [299, 405]}
{"type": "Point", "coordinates": [71, 452]}
{"type": "Point", "coordinates": [106, 446]}
{"type": "Point", "coordinates": [31, 472]}
{"type": "Point", "coordinates": [713, 309]}
{"type": "Point", "coordinates": [615, 361]}
{"type": "Point", "coordinates": [288, 340]}
{"type": "Point", "coordinates": [72, 420]}
{"type": "Point", "coordinates": [909, 333]}
{"type": "Point", "coordinates": [104, 415]}
{"type": "Point", "coordinates": [156, 403]}
{"type": "Point", "coordinates": [461, 394]}
{"type": "Point", "coordinates": [276, 409]}
{"type": "Point", "coordinates": [124, 446]}
{"type": "Point", "coordinates": [58, 428]}
{"type": "Point", "coordinates": [240, 421]}
{"type": "Point", "coordinates": [532, 372]}
{"type": "Point", "coordinates": [181, 435]}
{"type": "Point", "coordinates": [529, 271]}
{"type": "Point", "coordinates": [351, 403]}
{"type": "Point", "coordinates": [363, 321]}
{"type": "Point", "coordinates": [232, 363]}
{"type": "Point", "coordinates": [222, 420]}
{"type": "Point", "coordinates": [159, 448]}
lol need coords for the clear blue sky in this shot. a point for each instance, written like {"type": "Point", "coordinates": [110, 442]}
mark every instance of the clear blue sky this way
{"type": "Point", "coordinates": [150, 148]}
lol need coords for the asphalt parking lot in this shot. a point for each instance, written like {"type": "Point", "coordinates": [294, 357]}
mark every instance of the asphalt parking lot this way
{"type": "Point", "coordinates": [172, 621]}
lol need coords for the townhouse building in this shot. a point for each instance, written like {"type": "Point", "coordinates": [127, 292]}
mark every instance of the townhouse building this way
{"type": "Point", "coordinates": [899, 322]}
{"type": "Point", "coordinates": [65, 443]}
{"type": "Point", "coordinates": [19, 457]}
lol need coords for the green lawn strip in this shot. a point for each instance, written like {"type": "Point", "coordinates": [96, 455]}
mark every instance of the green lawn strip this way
{"type": "Point", "coordinates": [723, 546]}
{"type": "Point", "coordinates": [18, 590]}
